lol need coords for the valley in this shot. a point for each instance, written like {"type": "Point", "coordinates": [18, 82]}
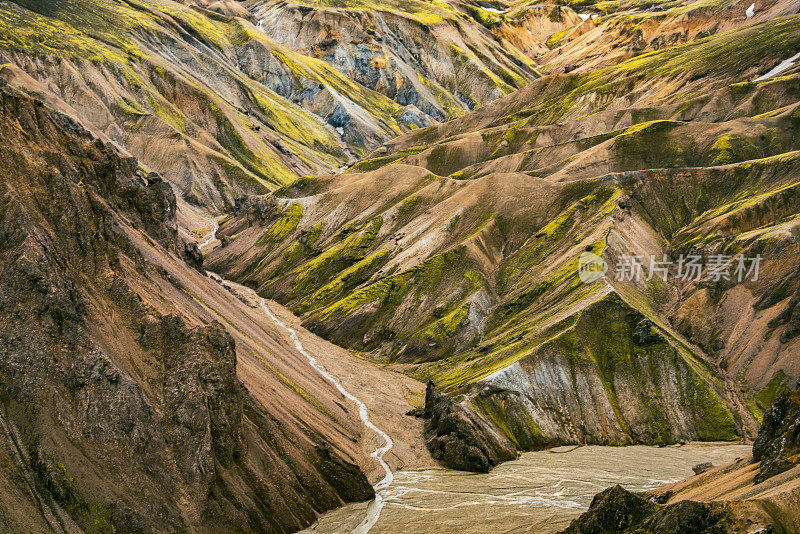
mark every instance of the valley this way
{"type": "Point", "coordinates": [268, 266]}
{"type": "Point", "coordinates": [539, 492]}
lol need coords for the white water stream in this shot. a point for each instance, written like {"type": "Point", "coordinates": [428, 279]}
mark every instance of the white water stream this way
{"type": "Point", "coordinates": [375, 506]}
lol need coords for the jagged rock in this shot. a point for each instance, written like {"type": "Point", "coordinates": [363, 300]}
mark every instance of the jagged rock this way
{"type": "Point", "coordinates": [702, 468]}
{"type": "Point", "coordinates": [790, 316]}
{"type": "Point", "coordinates": [193, 255]}
{"type": "Point", "coordinates": [617, 510]}
{"type": "Point", "coordinates": [777, 446]}
{"type": "Point", "coordinates": [687, 517]}
{"type": "Point", "coordinates": [612, 510]}
{"type": "Point", "coordinates": [459, 438]}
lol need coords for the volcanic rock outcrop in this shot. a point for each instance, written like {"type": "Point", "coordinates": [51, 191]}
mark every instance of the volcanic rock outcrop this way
{"type": "Point", "coordinates": [777, 446]}
{"type": "Point", "coordinates": [458, 438]}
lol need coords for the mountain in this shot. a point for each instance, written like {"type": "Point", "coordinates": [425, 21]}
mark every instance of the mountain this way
{"type": "Point", "coordinates": [226, 99]}
{"type": "Point", "coordinates": [137, 393]}
{"type": "Point", "coordinates": [427, 185]}
{"type": "Point", "coordinates": [452, 251]}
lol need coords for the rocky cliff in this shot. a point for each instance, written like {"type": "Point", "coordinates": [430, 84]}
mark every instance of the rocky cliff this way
{"type": "Point", "coordinates": [460, 439]}
{"type": "Point", "coordinates": [120, 405]}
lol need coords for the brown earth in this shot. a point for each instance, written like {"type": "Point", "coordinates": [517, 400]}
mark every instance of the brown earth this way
{"type": "Point", "coordinates": [137, 393]}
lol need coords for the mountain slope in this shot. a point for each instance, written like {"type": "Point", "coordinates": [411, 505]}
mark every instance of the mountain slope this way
{"type": "Point", "coordinates": [220, 106]}
{"type": "Point", "coordinates": [137, 393]}
{"type": "Point", "coordinates": [454, 249]}
{"type": "Point", "coordinates": [444, 58]}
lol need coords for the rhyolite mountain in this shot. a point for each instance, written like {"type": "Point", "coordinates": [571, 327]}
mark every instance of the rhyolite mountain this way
{"type": "Point", "coordinates": [416, 180]}
{"type": "Point", "coordinates": [233, 98]}
{"type": "Point", "coordinates": [452, 250]}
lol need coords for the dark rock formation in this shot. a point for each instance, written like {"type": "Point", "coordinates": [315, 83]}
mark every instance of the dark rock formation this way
{"type": "Point", "coordinates": [790, 316]}
{"type": "Point", "coordinates": [612, 510]}
{"type": "Point", "coordinates": [617, 510]}
{"type": "Point", "coordinates": [460, 439]}
{"type": "Point", "coordinates": [687, 517]}
{"type": "Point", "coordinates": [777, 446]}
{"type": "Point", "coordinates": [702, 468]}
{"type": "Point", "coordinates": [193, 255]}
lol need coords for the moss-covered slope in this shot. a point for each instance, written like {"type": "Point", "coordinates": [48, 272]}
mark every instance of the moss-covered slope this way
{"type": "Point", "coordinates": [454, 250]}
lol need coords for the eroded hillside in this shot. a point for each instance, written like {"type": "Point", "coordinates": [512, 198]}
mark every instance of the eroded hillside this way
{"type": "Point", "coordinates": [136, 392]}
{"type": "Point", "coordinates": [453, 250]}
{"type": "Point", "coordinates": [226, 99]}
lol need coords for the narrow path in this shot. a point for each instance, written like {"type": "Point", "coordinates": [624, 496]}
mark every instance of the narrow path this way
{"type": "Point", "coordinates": [375, 506]}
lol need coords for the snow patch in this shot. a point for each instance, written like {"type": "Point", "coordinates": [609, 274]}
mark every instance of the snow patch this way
{"type": "Point", "coordinates": [782, 66]}
{"type": "Point", "coordinates": [492, 10]}
{"type": "Point", "coordinates": [584, 16]}
{"type": "Point", "coordinates": [750, 11]}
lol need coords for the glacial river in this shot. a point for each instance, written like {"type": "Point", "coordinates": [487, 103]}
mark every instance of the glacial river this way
{"type": "Point", "coordinates": [537, 493]}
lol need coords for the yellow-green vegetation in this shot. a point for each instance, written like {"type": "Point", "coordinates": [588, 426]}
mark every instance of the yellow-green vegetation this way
{"type": "Point", "coordinates": [428, 330]}
{"type": "Point", "coordinates": [366, 165]}
{"type": "Point", "coordinates": [303, 186]}
{"type": "Point", "coordinates": [733, 148]}
{"type": "Point", "coordinates": [485, 18]}
{"type": "Point", "coordinates": [277, 232]}
{"type": "Point", "coordinates": [763, 399]}
{"type": "Point", "coordinates": [521, 322]}
{"type": "Point", "coordinates": [262, 164]}
{"type": "Point", "coordinates": [64, 487]}
{"type": "Point", "coordinates": [452, 108]}
{"type": "Point", "coordinates": [512, 420]}
{"type": "Point", "coordinates": [425, 12]}
{"type": "Point", "coordinates": [551, 236]}
{"type": "Point", "coordinates": [290, 123]}
{"type": "Point", "coordinates": [345, 282]}
{"type": "Point", "coordinates": [649, 144]}
{"type": "Point", "coordinates": [408, 207]}
{"type": "Point", "coordinates": [317, 271]}
{"type": "Point", "coordinates": [554, 41]}
{"type": "Point", "coordinates": [391, 289]}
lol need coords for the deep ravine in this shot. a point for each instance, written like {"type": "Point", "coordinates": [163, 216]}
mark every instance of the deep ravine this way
{"type": "Point", "coordinates": [374, 508]}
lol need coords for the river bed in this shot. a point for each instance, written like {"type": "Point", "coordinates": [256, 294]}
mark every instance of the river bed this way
{"type": "Point", "coordinates": [539, 492]}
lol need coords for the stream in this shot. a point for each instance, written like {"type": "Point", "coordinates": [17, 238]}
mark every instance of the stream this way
{"type": "Point", "coordinates": [374, 508]}
{"type": "Point", "coordinates": [540, 492]}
